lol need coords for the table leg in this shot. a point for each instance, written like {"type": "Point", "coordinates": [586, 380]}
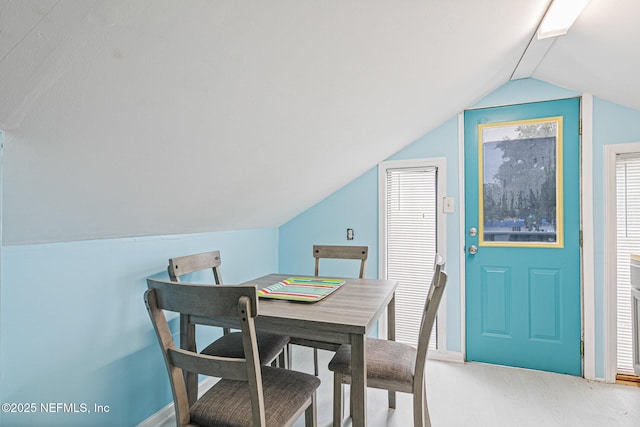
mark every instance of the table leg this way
{"type": "Point", "coordinates": [358, 380]}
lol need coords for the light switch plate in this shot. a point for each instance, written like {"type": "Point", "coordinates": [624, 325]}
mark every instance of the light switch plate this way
{"type": "Point", "coordinates": [449, 206]}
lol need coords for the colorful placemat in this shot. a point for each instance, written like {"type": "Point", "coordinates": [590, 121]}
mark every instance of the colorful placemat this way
{"type": "Point", "coordinates": [308, 289]}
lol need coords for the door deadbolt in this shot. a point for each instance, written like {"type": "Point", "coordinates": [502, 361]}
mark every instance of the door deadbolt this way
{"type": "Point", "coordinates": [473, 232]}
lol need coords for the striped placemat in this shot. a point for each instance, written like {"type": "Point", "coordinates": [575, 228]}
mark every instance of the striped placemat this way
{"type": "Point", "coordinates": [309, 289]}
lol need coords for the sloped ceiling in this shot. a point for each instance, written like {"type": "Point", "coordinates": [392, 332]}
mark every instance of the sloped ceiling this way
{"type": "Point", "coordinates": [601, 53]}
{"type": "Point", "coordinates": [150, 117]}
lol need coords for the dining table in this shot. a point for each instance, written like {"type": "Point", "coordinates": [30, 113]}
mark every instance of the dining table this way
{"type": "Point", "coordinates": [346, 316]}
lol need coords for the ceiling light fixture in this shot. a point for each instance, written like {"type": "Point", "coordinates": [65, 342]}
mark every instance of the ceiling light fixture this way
{"type": "Point", "coordinates": [560, 17]}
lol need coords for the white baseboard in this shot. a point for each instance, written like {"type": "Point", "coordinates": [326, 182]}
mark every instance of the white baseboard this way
{"type": "Point", "coordinates": [168, 413]}
{"type": "Point", "coordinates": [160, 417]}
{"type": "Point", "coordinates": [445, 356]}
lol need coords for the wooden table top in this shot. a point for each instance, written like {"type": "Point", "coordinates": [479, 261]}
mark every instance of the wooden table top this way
{"type": "Point", "coordinates": [354, 308]}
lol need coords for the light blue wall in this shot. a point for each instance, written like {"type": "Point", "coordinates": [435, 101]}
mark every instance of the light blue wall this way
{"type": "Point", "coordinates": [523, 91]}
{"type": "Point", "coordinates": [75, 329]}
{"type": "Point", "coordinates": [355, 205]}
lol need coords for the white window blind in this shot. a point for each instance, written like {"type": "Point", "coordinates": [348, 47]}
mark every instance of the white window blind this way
{"type": "Point", "coordinates": [628, 241]}
{"type": "Point", "coordinates": [411, 224]}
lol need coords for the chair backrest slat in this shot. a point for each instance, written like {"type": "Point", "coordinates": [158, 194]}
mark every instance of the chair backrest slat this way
{"type": "Point", "coordinates": [191, 263]}
{"type": "Point", "coordinates": [202, 300]}
{"type": "Point", "coordinates": [341, 252]}
{"type": "Point", "coordinates": [213, 366]}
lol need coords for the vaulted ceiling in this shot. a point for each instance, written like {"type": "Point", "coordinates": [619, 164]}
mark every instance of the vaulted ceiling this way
{"type": "Point", "coordinates": [153, 117]}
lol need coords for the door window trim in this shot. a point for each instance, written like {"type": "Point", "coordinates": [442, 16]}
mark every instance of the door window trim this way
{"type": "Point", "coordinates": [558, 223]}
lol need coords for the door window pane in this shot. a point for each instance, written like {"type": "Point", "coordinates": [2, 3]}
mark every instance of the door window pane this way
{"type": "Point", "coordinates": [520, 183]}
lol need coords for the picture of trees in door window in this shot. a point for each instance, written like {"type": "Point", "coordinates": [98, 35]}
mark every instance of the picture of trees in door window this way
{"type": "Point", "coordinates": [520, 183]}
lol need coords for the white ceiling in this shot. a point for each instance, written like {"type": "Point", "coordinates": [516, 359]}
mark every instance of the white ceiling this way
{"type": "Point", "coordinates": [151, 117]}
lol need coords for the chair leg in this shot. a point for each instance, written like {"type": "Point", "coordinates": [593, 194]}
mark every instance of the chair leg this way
{"type": "Point", "coordinates": [427, 419]}
{"type": "Point", "coordinates": [315, 362]}
{"type": "Point", "coordinates": [337, 400]}
{"type": "Point", "coordinates": [420, 409]}
{"type": "Point", "coordinates": [311, 413]}
{"type": "Point", "coordinates": [392, 399]}
{"type": "Point", "coordinates": [417, 410]}
{"type": "Point", "coordinates": [289, 356]}
{"type": "Point", "coordinates": [282, 363]}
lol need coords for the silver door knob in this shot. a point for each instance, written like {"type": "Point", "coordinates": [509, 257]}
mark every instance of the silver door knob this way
{"type": "Point", "coordinates": [473, 249]}
{"type": "Point", "coordinates": [473, 232]}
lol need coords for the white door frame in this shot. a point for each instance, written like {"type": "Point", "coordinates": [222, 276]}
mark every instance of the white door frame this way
{"type": "Point", "coordinates": [587, 227]}
{"type": "Point", "coordinates": [463, 234]}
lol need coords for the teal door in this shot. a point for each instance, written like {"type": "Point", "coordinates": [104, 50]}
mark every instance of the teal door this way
{"type": "Point", "coordinates": [522, 244]}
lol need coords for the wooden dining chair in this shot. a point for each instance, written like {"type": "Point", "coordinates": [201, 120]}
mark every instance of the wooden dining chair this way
{"type": "Point", "coordinates": [270, 346]}
{"type": "Point", "coordinates": [248, 393]}
{"type": "Point", "coordinates": [394, 366]}
{"type": "Point", "coordinates": [331, 252]}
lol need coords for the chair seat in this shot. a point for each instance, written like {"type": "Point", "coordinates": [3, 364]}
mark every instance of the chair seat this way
{"type": "Point", "coordinates": [230, 345]}
{"type": "Point", "coordinates": [226, 403]}
{"type": "Point", "coordinates": [387, 362]}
